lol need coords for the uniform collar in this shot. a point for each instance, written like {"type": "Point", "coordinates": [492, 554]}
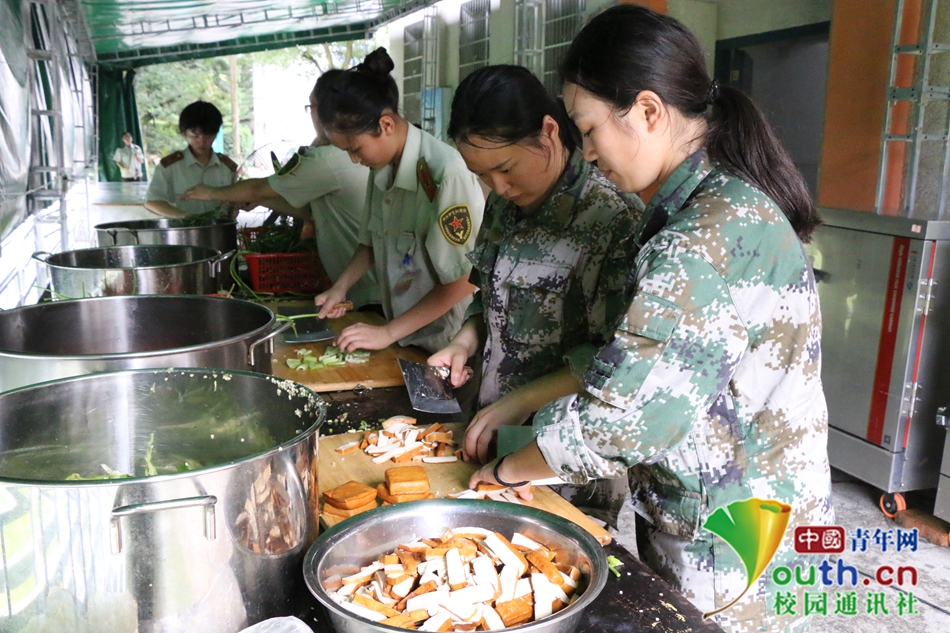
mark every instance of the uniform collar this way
{"type": "Point", "coordinates": [559, 208]}
{"type": "Point", "coordinates": [406, 174]}
{"type": "Point", "coordinates": [191, 160]}
{"type": "Point", "coordinates": [673, 195]}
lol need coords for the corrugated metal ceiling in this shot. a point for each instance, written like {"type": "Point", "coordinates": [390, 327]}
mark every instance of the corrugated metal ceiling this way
{"type": "Point", "coordinates": [139, 32]}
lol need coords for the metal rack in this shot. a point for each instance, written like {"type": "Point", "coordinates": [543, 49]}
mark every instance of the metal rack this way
{"type": "Point", "coordinates": [917, 115]}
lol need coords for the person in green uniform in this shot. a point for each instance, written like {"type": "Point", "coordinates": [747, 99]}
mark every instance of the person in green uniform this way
{"type": "Point", "coordinates": [709, 391]}
{"type": "Point", "coordinates": [550, 261]}
{"type": "Point", "coordinates": [322, 177]}
{"type": "Point", "coordinates": [423, 210]}
{"type": "Point", "coordinates": [197, 164]}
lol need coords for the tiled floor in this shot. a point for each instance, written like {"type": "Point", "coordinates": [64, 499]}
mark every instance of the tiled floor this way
{"type": "Point", "coordinates": [856, 506]}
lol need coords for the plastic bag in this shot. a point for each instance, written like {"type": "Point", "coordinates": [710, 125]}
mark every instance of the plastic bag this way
{"type": "Point", "coordinates": [279, 625]}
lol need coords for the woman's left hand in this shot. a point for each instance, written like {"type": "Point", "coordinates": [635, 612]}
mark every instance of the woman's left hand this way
{"type": "Point", "coordinates": [363, 336]}
{"type": "Point", "coordinates": [506, 411]}
{"type": "Point", "coordinates": [486, 474]}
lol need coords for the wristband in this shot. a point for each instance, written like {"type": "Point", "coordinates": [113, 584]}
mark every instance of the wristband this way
{"type": "Point", "coordinates": [494, 473]}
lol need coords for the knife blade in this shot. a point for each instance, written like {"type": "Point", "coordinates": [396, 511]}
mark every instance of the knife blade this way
{"type": "Point", "coordinates": [308, 329]}
{"type": "Point", "coordinates": [429, 388]}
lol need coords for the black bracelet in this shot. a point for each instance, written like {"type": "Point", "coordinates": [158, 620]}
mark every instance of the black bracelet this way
{"type": "Point", "coordinates": [494, 473]}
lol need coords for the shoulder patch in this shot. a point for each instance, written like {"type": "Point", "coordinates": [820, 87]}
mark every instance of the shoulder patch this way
{"type": "Point", "coordinates": [230, 164]}
{"type": "Point", "coordinates": [456, 224]}
{"type": "Point", "coordinates": [171, 159]}
{"type": "Point", "coordinates": [424, 176]}
{"type": "Point", "coordinates": [290, 166]}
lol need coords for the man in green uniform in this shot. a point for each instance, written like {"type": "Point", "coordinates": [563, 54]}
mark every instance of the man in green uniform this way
{"type": "Point", "coordinates": [197, 164]}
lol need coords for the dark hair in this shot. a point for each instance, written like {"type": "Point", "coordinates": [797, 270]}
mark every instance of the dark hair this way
{"type": "Point", "coordinates": [351, 101]}
{"type": "Point", "coordinates": [200, 115]}
{"type": "Point", "coordinates": [628, 48]}
{"type": "Point", "coordinates": [507, 104]}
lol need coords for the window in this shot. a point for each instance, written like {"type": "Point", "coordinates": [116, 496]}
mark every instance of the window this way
{"type": "Point", "coordinates": [543, 31]}
{"type": "Point", "coordinates": [562, 21]}
{"type": "Point", "coordinates": [412, 71]}
{"type": "Point", "coordinates": [473, 36]}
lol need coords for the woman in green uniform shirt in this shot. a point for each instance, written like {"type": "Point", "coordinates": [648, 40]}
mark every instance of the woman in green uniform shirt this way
{"type": "Point", "coordinates": [424, 210]}
{"type": "Point", "coordinates": [709, 390]}
{"type": "Point", "coordinates": [551, 258]}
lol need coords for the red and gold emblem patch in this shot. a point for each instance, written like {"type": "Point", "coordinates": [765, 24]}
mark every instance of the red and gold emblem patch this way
{"type": "Point", "coordinates": [456, 224]}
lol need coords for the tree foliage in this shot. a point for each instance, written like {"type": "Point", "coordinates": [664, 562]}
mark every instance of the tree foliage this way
{"type": "Point", "coordinates": [163, 90]}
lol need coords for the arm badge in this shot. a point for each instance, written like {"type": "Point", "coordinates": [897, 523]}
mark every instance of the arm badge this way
{"type": "Point", "coordinates": [456, 224]}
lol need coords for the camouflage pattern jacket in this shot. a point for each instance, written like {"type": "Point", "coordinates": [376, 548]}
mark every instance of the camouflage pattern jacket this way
{"type": "Point", "coordinates": [710, 387]}
{"type": "Point", "coordinates": [551, 283]}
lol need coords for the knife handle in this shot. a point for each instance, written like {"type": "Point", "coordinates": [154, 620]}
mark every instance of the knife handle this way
{"type": "Point", "coordinates": [346, 305]}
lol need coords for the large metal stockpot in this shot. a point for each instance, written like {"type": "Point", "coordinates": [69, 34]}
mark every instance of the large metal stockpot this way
{"type": "Point", "coordinates": [133, 270]}
{"type": "Point", "coordinates": [356, 542]}
{"type": "Point", "coordinates": [68, 338]}
{"type": "Point", "coordinates": [220, 235]}
{"type": "Point", "coordinates": [207, 550]}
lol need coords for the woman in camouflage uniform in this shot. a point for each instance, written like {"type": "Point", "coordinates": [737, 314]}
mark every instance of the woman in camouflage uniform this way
{"type": "Point", "coordinates": [710, 389]}
{"type": "Point", "coordinates": [550, 260]}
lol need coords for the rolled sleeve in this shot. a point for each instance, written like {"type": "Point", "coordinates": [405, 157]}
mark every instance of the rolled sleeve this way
{"type": "Point", "coordinates": [670, 357]}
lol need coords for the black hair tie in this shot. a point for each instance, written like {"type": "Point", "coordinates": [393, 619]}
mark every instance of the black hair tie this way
{"type": "Point", "coordinates": [494, 473]}
{"type": "Point", "coordinates": [713, 93]}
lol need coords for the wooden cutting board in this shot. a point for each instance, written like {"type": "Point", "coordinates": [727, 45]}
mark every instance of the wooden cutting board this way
{"type": "Point", "coordinates": [336, 469]}
{"type": "Point", "coordinates": [381, 370]}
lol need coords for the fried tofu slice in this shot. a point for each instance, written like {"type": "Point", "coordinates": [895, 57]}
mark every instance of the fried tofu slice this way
{"type": "Point", "coordinates": [407, 480]}
{"type": "Point", "coordinates": [350, 495]}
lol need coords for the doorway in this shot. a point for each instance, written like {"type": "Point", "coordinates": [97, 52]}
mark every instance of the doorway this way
{"type": "Point", "coordinates": [785, 72]}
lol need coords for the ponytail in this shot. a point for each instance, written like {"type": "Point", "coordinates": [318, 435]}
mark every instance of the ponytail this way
{"type": "Point", "coordinates": [741, 141]}
{"type": "Point", "coordinates": [629, 48]}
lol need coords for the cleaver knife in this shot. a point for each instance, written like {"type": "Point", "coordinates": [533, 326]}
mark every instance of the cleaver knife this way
{"type": "Point", "coordinates": [429, 388]}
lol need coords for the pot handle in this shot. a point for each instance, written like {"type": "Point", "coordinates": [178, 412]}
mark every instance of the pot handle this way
{"type": "Point", "coordinates": [215, 262]}
{"type": "Point", "coordinates": [37, 256]}
{"type": "Point", "coordinates": [208, 501]}
{"type": "Point", "coordinates": [270, 337]}
{"type": "Point", "coordinates": [114, 234]}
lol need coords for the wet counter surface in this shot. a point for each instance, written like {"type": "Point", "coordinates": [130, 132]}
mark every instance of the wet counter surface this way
{"type": "Point", "coordinates": [637, 600]}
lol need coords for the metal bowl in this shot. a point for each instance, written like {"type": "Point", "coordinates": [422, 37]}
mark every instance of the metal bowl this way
{"type": "Point", "coordinates": [358, 541]}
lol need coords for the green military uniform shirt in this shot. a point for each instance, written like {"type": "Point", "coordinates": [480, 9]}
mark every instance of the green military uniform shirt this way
{"type": "Point", "coordinates": [180, 171]}
{"type": "Point", "coordinates": [421, 223]}
{"type": "Point", "coordinates": [335, 188]}
{"type": "Point", "coordinates": [710, 389]}
{"type": "Point", "coordinates": [551, 282]}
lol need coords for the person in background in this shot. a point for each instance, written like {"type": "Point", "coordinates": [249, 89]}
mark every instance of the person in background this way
{"type": "Point", "coordinates": [550, 260]}
{"type": "Point", "coordinates": [197, 164]}
{"type": "Point", "coordinates": [129, 159]}
{"type": "Point", "coordinates": [423, 209]}
{"type": "Point", "coordinates": [709, 391]}
{"type": "Point", "coordinates": [324, 178]}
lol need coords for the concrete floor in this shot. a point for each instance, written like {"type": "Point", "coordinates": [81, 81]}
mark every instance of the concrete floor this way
{"type": "Point", "coordinates": [856, 506]}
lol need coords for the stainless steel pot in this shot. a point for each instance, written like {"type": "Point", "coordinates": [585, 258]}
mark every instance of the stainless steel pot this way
{"type": "Point", "coordinates": [68, 338]}
{"type": "Point", "coordinates": [133, 270]}
{"type": "Point", "coordinates": [212, 549]}
{"type": "Point", "coordinates": [220, 235]}
{"type": "Point", "coordinates": [358, 541]}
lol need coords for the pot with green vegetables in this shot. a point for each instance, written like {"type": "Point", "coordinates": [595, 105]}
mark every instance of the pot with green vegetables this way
{"type": "Point", "coordinates": [156, 500]}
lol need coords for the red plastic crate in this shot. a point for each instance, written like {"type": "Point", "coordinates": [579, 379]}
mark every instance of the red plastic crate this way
{"type": "Point", "coordinates": [284, 272]}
